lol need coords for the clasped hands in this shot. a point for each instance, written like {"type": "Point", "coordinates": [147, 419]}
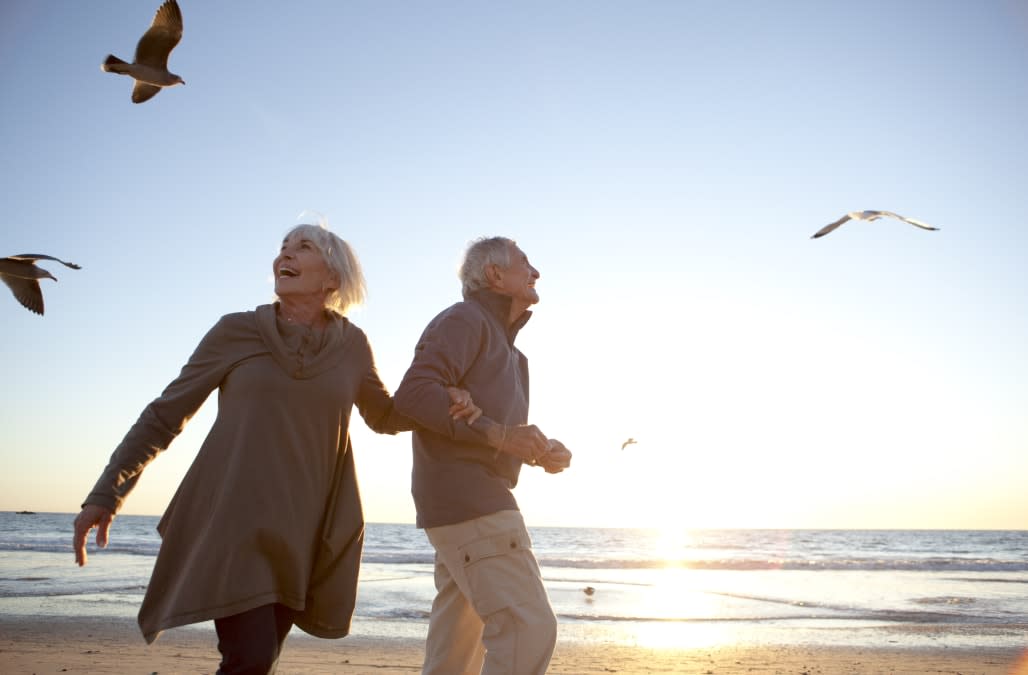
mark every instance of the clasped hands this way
{"type": "Point", "coordinates": [556, 458]}
{"type": "Point", "coordinates": [531, 445]}
{"type": "Point", "coordinates": [524, 441]}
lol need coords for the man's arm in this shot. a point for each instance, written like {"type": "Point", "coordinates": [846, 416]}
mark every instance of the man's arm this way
{"type": "Point", "coordinates": [444, 354]}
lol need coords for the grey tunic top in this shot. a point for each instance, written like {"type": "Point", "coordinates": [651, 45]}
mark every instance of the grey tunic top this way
{"type": "Point", "coordinates": [269, 510]}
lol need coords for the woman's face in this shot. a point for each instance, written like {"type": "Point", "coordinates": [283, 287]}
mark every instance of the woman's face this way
{"type": "Point", "coordinates": [300, 270]}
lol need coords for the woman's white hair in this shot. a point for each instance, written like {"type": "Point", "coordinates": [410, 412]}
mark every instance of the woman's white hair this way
{"type": "Point", "coordinates": [481, 253]}
{"type": "Point", "coordinates": [341, 261]}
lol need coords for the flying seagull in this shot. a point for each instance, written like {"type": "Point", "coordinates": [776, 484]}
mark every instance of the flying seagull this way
{"type": "Point", "coordinates": [869, 216]}
{"type": "Point", "coordinates": [22, 276]}
{"type": "Point", "coordinates": [149, 68]}
{"type": "Point", "coordinates": [627, 443]}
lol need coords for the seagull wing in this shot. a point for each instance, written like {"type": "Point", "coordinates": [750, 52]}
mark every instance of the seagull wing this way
{"type": "Point", "coordinates": [26, 291]}
{"type": "Point", "coordinates": [32, 257]}
{"type": "Point", "coordinates": [916, 223]}
{"type": "Point", "coordinates": [141, 91]}
{"type": "Point", "coordinates": [830, 226]}
{"type": "Point", "coordinates": [162, 36]}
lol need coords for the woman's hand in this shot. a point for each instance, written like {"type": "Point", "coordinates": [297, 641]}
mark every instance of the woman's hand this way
{"type": "Point", "coordinates": [91, 516]}
{"type": "Point", "coordinates": [462, 407]}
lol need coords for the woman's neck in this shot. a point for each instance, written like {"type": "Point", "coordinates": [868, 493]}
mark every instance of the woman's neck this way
{"type": "Point", "coordinates": [302, 313]}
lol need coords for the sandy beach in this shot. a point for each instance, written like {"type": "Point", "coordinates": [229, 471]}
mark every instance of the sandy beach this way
{"type": "Point", "coordinates": [63, 645]}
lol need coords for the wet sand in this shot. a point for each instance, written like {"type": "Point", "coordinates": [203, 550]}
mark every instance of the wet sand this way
{"type": "Point", "coordinates": [64, 645]}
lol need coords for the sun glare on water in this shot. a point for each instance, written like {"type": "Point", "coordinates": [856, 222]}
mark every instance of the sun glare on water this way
{"type": "Point", "coordinates": [682, 611]}
{"type": "Point", "coordinates": [671, 543]}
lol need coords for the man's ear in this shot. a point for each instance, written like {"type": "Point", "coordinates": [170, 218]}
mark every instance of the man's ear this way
{"type": "Point", "coordinates": [493, 274]}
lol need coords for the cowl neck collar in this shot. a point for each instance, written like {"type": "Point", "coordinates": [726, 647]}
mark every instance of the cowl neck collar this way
{"type": "Point", "coordinates": [336, 337]}
{"type": "Point", "coordinates": [498, 306]}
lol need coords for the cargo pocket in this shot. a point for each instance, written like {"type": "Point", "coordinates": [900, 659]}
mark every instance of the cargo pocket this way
{"type": "Point", "coordinates": [501, 572]}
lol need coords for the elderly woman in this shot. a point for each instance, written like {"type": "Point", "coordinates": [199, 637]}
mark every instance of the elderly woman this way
{"type": "Point", "coordinates": [266, 529]}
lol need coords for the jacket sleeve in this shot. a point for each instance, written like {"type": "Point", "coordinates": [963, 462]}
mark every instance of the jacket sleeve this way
{"type": "Point", "coordinates": [164, 418]}
{"type": "Point", "coordinates": [446, 351]}
{"type": "Point", "coordinates": [377, 408]}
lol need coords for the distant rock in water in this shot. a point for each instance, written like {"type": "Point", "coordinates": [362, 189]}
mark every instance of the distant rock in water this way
{"type": "Point", "coordinates": [25, 513]}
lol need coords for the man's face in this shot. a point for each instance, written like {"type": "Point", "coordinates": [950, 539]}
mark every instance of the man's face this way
{"type": "Point", "coordinates": [518, 280]}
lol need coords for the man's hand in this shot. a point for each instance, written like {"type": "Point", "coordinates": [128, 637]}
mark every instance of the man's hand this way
{"type": "Point", "coordinates": [462, 407]}
{"type": "Point", "coordinates": [524, 441]}
{"type": "Point", "coordinates": [556, 459]}
{"type": "Point", "coordinates": [91, 516]}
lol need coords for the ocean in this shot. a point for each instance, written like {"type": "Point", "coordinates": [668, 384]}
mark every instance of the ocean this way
{"type": "Point", "coordinates": [693, 588]}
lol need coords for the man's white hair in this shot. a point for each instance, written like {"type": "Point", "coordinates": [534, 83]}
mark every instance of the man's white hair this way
{"type": "Point", "coordinates": [481, 253]}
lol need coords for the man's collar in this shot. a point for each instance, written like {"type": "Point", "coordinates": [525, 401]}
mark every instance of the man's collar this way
{"type": "Point", "coordinates": [499, 306]}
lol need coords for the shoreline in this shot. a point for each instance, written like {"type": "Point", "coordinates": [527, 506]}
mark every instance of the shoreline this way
{"type": "Point", "coordinates": [34, 644]}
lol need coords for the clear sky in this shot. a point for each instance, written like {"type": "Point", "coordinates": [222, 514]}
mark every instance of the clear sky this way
{"type": "Point", "coordinates": [663, 164]}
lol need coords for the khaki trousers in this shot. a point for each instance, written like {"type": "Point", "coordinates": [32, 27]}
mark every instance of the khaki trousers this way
{"type": "Point", "coordinates": [490, 614]}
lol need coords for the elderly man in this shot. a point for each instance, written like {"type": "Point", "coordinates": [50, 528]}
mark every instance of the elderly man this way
{"type": "Point", "coordinates": [491, 613]}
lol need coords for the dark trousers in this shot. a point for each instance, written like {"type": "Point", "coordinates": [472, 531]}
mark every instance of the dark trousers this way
{"type": "Point", "coordinates": [250, 643]}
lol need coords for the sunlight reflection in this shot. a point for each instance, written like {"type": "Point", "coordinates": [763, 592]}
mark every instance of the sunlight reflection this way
{"type": "Point", "coordinates": [678, 599]}
{"type": "Point", "coordinates": [683, 635]}
{"type": "Point", "coordinates": [682, 611]}
{"type": "Point", "coordinates": [675, 596]}
{"type": "Point", "coordinates": [671, 543]}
